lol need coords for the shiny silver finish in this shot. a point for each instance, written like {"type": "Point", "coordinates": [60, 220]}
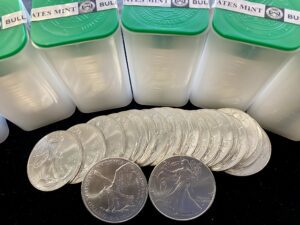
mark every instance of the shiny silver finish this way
{"type": "Point", "coordinates": [259, 164]}
{"type": "Point", "coordinates": [191, 140]}
{"type": "Point", "coordinates": [215, 136]}
{"type": "Point", "coordinates": [131, 133]}
{"type": "Point", "coordinates": [93, 146]}
{"type": "Point", "coordinates": [229, 134]}
{"type": "Point", "coordinates": [182, 188]}
{"type": "Point", "coordinates": [114, 190]}
{"type": "Point", "coordinates": [175, 134]}
{"type": "Point", "coordinates": [54, 161]}
{"type": "Point", "coordinates": [143, 138]}
{"type": "Point", "coordinates": [113, 133]}
{"type": "Point", "coordinates": [252, 128]}
{"type": "Point", "coordinates": [238, 151]}
{"type": "Point", "coordinates": [163, 136]}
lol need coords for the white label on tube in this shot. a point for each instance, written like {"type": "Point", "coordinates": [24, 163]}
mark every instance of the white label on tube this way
{"type": "Point", "coordinates": [200, 4]}
{"type": "Point", "coordinates": [249, 8]}
{"type": "Point", "coordinates": [260, 10]}
{"type": "Point", "coordinates": [71, 9]}
{"type": "Point", "coordinates": [12, 20]}
{"type": "Point", "coordinates": [106, 4]}
{"type": "Point", "coordinates": [292, 16]}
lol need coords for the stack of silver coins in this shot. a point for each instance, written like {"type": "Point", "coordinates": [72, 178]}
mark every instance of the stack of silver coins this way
{"type": "Point", "coordinates": [104, 155]}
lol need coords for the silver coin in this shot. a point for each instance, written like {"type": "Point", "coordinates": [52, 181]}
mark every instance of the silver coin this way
{"type": "Point", "coordinates": [259, 164]}
{"type": "Point", "coordinates": [192, 134]}
{"type": "Point", "coordinates": [113, 133]}
{"type": "Point", "coordinates": [190, 143]}
{"type": "Point", "coordinates": [151, 136]}
{"type": "Point", "coordinates": [93, 146]}
{"type": "Point", "coordinates": [229, 141]}
{"type": "Point", "coordinates": [175, 134]}
{"type": "Point", "coordinates": [143, 139]}
{"type": "Point", "coordinates": [114, 190]}
{"type": "Point", "coordinates": [161, 136]}
{"type": "Point", "coordinates": [204, 132]}
{"type": "Point", "coordinates": [131, 133]}
{"type": "Point", "coordinates": [181, 134]}
{"type": "Point", "coordinates": [182, 188]}
{"type": "Point", "coordinates": [54, 161]}
{"type": "Point", "coordinates": [226, 134]}
{"type": "Point", "coordinates": [215, 134]}
{"type": "Point", "coordinates": [239, 150]}
{"type": "Point", "coordinates": [253, 130]}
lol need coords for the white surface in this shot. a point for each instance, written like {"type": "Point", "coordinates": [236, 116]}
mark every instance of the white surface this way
{"type": "Point", "coordinates": [277, 108]}
{"type": "Point", "coordinates": [161, 66]}
{"type": "Point", "coordinates": [95, 73]}
{"type": "Point", "coordinates": [231, 73]}
{"type": "Point", "coordinates": [3, 130]}
{"type": "Point", "coordinates": [31, 95]}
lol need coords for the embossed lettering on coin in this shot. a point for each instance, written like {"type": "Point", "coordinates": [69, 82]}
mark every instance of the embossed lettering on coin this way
{"type": "Point", "coordinates": [182, 188]}
{"type": "Point", "coordinates": [114, 190]}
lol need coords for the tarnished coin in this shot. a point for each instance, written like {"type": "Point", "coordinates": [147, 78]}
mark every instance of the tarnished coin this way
{"type": "Point", "coordinates": [113, 133]}
{"type": "Point", "coordinates": [259, 164]}
{"type": "Point", "coordinates": [93, 146]}
{"type": "Point", "coordinates": [114, 190]}
{"type": "Point", "coordinates": [182, 188]}
{"type": "Point", "coordinates": [54, 161]}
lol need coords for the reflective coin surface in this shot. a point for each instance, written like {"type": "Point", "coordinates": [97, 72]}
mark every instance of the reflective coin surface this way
{"type": "Point", "coordinates": [114, 190]}
{"type": "Point", "coordinates": [113, 133]}
{"type": "Point", "coordinates": [54, 161]}
{"type": "Point", "coordinates": [259, 164]}
{"type": "Point", "coordinates": [182, 188]}
{"type": "Point", "coordinates": [93, 148]}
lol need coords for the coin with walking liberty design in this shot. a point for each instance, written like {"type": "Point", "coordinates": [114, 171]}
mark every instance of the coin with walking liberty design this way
{"type": "Point", "coordinates": [114, 190]}
{"type": "Point", "coordinates": [54, 161]}
{"type": "Point", "coordinates": [182, 188]}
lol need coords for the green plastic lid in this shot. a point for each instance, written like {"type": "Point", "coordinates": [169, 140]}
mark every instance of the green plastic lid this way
{"type": "Point", "coordinates": [159, 20]}
{"type": "Point", "coordinates": [73, 29]}
{"type": "Point", "coordinates": [12, 40]}
{"type": "Point", "coordinates": [259, 31]}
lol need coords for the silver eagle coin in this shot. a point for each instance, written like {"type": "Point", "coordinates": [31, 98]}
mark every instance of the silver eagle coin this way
{"type": "Point", "coordinates": [182, 188]}
{"type": "Point", "coordinates": [114, 190]}
{"type": "Point", "coordinates": [54, 161]}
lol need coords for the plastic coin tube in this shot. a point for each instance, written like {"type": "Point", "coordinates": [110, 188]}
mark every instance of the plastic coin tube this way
{"type": "Point", "coordinates": [163, 46]}
{"type": "Point", "coordinates": [277, 108]}
{"type": "Point", "coordinates": [31, 94]}
{"type": "Point", "coordinates": [88, 53]}
{"type": "Point", "coordinates": [242, 54]}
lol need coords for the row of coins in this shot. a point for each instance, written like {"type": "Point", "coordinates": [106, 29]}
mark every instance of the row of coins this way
{"type": "Point", "coordinates": [102, 152]}
{"type": "Point", "coordinates": [225, 140]}
{"type": "Point", "coordinates": [181, 188]}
